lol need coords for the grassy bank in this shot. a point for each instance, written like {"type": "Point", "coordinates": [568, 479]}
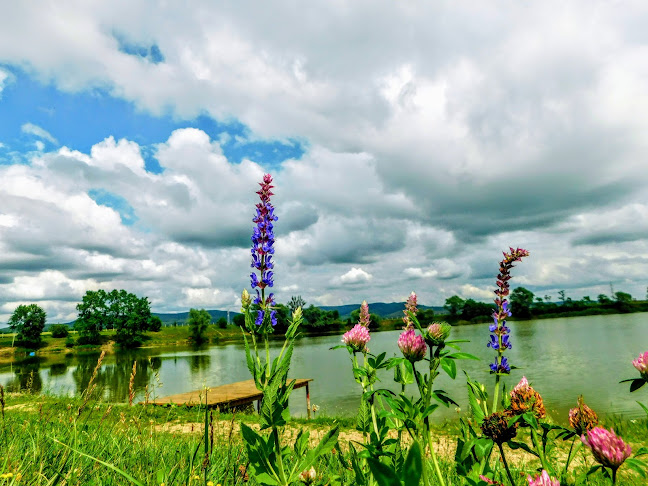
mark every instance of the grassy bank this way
{"type": "Point", "coordinates": [85, 441]}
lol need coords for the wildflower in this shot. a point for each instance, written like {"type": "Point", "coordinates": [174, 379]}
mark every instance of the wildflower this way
{"type": "Point", "coordinates": [496, 427]}
{"type": "Point", "coordinates": [499, 340]}
{"type": "Point", "coordinates": [437, 333]}
{"type": "Point", "coordinates": [542, 480]}
{"type": "Point", "coordinates": [357, 338]}
{"type": "Point", "coordinates": [607, 448]}
{"type": "Point", "coordinates": [641, 363]}
{"type": "Point", "coordinates": [582, 418]}
{"type": "Point", "coordinates": [412, 346]}
{"type": "Point", "coordinates": [525, 399]}
{"type": "Point", "coordinates": [246, 300]}
{"type": "Point", "coordinates": [263, 240]}
{"type": "Point", "coordinates": [410, 306]}
{"type": "Point", "coordinates": [364, 314]}
{"type": "Point", "coordinates": [309, 476]}
{"type": "Point", "coordinates": [210, 483]}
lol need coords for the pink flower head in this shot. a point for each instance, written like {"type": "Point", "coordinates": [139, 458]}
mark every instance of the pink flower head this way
{"type": "Point", "coordinates": [357, 338]}
{"type": "Point", "coordinates": [489, 480]}
{"type": "Point", "coordinates": [607, 448]}
{"type": "Point", "coordinates": [641, 363]}
{"type": "Point", "coordinates": [437, 333]}
{"type": "Point", "coordinates": [412, 346]}
{"type": "Point", "coordinates": [410, 306]}
{"type": "Point", "coordinates": [543, 480]}
{"type": "Point", "coordinates": [364, 314]}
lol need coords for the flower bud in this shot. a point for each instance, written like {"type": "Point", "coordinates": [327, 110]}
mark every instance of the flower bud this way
{"type": "Point", "coordinates": [308, 476]}
{"type": "Point", "coordinates": [582, 418]}
{"type": "Point", "coordinates": [525, 399]}
{"type": "Point", "coordinates": [437, 333]}
{"type": "Point", "coordinates": [412, 346]}
{"type": "Point", "coordinates": [607, 448]}
{"type": "Point", "coordinates": [246, 300]}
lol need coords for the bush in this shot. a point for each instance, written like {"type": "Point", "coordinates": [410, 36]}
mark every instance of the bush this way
{"type": "Point", "coordinates": [222, 323]}
{"type": "Point", "coordinates": [155, 324]}
{"type": "Point", "coordinates": [69, 342]}
{"type": "Point", "coordinates": [59, 331]}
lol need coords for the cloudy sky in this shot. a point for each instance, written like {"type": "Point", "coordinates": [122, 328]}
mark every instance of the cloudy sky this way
{"type": "Point", "coordinates": [411, 142]}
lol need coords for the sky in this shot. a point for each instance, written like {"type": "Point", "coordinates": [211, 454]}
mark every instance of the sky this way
{"type": "Point", "coordinates": [410, 142]}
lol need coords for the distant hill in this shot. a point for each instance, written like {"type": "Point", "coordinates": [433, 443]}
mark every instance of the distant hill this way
{"type": "Point", "coordinates": [181, 317]}
{"type": "Point", "coordinates": [385, 310]}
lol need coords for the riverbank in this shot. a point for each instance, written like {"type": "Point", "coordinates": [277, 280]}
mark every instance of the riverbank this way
{"type": "Point", "coordinates": [84, 441]}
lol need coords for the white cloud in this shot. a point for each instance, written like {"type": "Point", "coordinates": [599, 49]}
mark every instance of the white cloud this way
{"type": "Point", "coordinates": [354, 276]}
{"type": "Point", "coordinates": [37, 131]}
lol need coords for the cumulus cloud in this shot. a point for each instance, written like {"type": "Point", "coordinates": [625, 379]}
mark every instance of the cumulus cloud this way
{"type": "Point", "coordinates": [354, 276]}
{"type": "Point", "coordinates": [426, 154]}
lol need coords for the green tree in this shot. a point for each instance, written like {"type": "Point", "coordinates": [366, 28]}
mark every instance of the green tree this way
{"type": "Point", "coordinates": [603, 299]}
{"type": "Point", "coordinates": [92, 316]}
{"type": "Point", "coordinates": [295, 302]}
{"type": "Point", "coordinates": [374, 319]}
{"type": "Point", "coordinates": [521, 301]}
{"type": "Point", "coordinates": [475, 310]}
{"type": "Point", "coordinates": [454, 305]}
{"type": "Point", "coordinates": [622, 297]}
{"type": "Point", "coordinates": [561, 293]}
{"type": "Point", "coordinates": [155, 324]}
{"type": "Point", "coordinates": [59, 330]}
{"type": "Point", "coordinates": [28, 321]}
{"type": "Point", "coordinates": [199, 321]}
{"type": "Point", "coordinates": [222, 322]}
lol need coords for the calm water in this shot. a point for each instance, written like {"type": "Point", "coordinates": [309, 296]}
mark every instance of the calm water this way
{"type": "Point", "coordinates": [562, 358]}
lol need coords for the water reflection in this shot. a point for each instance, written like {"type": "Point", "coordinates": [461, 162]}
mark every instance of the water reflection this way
{"type": "Point", "coordinates": [563, 358]}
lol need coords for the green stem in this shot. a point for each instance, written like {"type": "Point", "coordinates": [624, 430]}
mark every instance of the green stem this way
{"type": "Point", "coordinates": [437, 469]}
{"type": "Point", "coordinates": [570, 456]}
{"type": "Point", "coordinates": [282, 473]}
{"type": "Point", "coordinates": [540, 451]}
{"type": "Point", "coordinates": [267, 349]}
{"type": "Point", "coordinates": [508, 471]}
{"type": "Point", "coordinates": [426, 478]}
{"type": "Point", "coordinates": [496, 393]}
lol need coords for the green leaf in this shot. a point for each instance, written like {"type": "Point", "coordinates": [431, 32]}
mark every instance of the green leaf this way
{"type": "Point", "coordinates": [637, 465]}
{"type": "Point", "coordinates": [413, 466]}
{"type": "Point", "coordinates": [463, 356]}
{"type": "Point", "coordinates": [475, 407]}
{"type": "Point", "coordinates": [641, 451]}
{"type": "Point", "coordinates": [324, 447]}
{"type": "Point", "coordinates": [521, 445]}
{"type": "Point", "coordinates": [450, 367]}
{"type": "Point", "coordinates": [364, 416]}
{"type": "Point", "coordinates": [360, 477]}
{"type": "Point", "coordinates": [636, 384]}
{"type": "Point", "coordinates": [482, 447]}
{"type": "Point", "coordinates": [644, 407]}
{"type": "Point", "coordinates": [383, 474]}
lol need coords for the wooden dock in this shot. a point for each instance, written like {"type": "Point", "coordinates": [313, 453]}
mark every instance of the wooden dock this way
{"type": "Point", "coordinates": [227, 396]}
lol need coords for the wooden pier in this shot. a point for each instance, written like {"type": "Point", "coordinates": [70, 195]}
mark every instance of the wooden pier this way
{"type": "Point", "coordinates": [226, 396]}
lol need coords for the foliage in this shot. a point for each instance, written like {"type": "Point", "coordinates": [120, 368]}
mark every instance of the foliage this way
{"type": "Point", "coordinates": [521, 302]}
{"type": "Point", "coordinates": [117, 309]}
{"type": "Point", "coordinates": [28, 321]}
{"type": "Point", "coordinates": [155, 324]}
{"type": "Point", "coordinates": [59, 330]}
{"type": "Point", "coordinates": [199, 321]}
{"type": "Point", "coordinates": [374, 319]}
{"type": "Point", "coordinates": [221, 322]}
{"type": "Point", "coordinates": [473, 310]}
{"type": "Point", "coordinates": [454, 305]}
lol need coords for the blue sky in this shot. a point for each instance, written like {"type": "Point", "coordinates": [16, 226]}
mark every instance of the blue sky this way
{"type": "Point", "coordinates": [132, 140]}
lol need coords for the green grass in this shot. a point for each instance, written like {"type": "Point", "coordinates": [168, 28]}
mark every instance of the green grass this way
{"type": "Point", "coordinates": [85, 441]}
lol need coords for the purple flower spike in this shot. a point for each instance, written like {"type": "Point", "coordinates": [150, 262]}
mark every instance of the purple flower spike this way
{"type": "Point", "coordinates": [500, 339]}
{"type": "Point", "coordinates": [607, 448]}
{"type": "Point", "coordinates": [412, 346]}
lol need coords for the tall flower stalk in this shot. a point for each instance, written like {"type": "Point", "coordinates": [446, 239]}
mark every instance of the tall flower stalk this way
{"type": "Point", "coordinates": [499, 338]}
{"type": "Point", "coordinates": [267, 455]}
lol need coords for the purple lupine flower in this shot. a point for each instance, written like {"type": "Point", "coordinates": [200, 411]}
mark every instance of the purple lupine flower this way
{"type": "Point", "coordinates": [500, 339]}
{"type": "Point", "coordinates": [641, 363]}
{"type": "Point", "coordinates": [259, 319]}
{"type": "Point", "coordinates": [543, 480]}
{"type": "Point", "coordinates": [607, 448]}
{"type": "Point", "coordinates": [412, 345]}
{"type": "Point", "coordinates": [410, 306]}
{"type": "Point", "coordinates": [357, 338]}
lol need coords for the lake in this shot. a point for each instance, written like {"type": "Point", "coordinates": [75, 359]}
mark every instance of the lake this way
{"type": "Point", "coordinates": [562, 358]}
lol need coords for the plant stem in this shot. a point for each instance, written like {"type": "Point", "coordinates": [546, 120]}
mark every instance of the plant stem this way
{"type": "Point", "coordinates": [437, 469]}
{"type": "Point", "coordinates": [540, 450]}
{"type": "Point", "coordinates": [496, 393]}
{"type": "Point", "coordinates": [508, 471]}
{"type": "Point", "coordinates": [282, 473]}
{"type": "Point", "coordinates": [614, 471]}
{"type": "Point", "coordinates": [569, 456]}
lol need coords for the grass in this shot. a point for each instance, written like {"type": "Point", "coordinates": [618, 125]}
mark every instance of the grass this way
{"type": "Point", "coordinates": [50, 440]}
